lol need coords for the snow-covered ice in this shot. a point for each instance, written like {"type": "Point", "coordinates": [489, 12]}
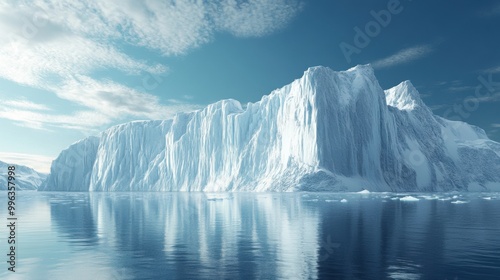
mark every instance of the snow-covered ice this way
{"type": "Point", "coordinates": [25, 178]}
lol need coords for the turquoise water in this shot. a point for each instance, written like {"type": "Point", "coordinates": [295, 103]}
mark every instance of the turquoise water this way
{"type": "Point", "coordinates": [260, 236]}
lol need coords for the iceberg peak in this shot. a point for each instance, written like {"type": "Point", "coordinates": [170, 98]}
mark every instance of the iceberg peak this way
{"type": "Point", "coordinates": [404, 97]}
{"type": "Point", "coordinates": [362, 68]}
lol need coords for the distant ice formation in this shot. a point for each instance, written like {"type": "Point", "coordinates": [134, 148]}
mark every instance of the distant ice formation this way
{"type": "Point", "coordinates": [25, 177]}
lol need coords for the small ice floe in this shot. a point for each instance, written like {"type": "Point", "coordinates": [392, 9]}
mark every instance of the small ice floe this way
{"type": "Point", "coordinates": [459, 202]}
{"type": "Point", "coordinates": [409, 198]}
{"type": "Point", "coordinates": [365, 191]}
{"type": "Point", "coordinates": [330, 200]}
{"type": "Point", "coordinates": [445, 198]}
{"type": "Point", "coordinates": [215, 199]}
{"type": "Point", "coordinates": [394, 198]}
{"type": "Point", "coordinates": [487, 198]}
{"type": "Point", "coordinates": [455, 197]}
{"type": "Point", "coordinates": [217, 196]}
{"type": "Point", "coordinates": [429, 197]}
{"type": "Point", "coordinates": [313, 200]}
{"type": "Point", "coordinates": [343, 200]}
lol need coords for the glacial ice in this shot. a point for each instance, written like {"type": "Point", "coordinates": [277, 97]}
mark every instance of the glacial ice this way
{"type": "Point", "coordinates": [327, 131]}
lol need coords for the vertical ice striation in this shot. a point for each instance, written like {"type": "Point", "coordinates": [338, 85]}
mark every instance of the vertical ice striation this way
{"type": "Point", "coordinates": [72, 169]}
{"type": "Point", "coordinates": [327, 130]}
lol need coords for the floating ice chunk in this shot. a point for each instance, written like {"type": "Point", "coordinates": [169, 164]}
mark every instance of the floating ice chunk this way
{"type": "Point", "coordinates": [364, 192]}
{"type": "Point", "coordinates": [343, 200]}
{"type": "Point", "coordinates": [429, 197]}
{"type": "Point", "coordinates": [216, 196]}
{"type": "Point", "coordinates": [487, 198]}
{"type": "Point", "coordinates": [330, 200]}
{"type": "Point", "coordinates": [409, 198]}
{"type": "Point", "coordinates": [459, 202]}
{"type": "Point", "coordinates": [215, 199]}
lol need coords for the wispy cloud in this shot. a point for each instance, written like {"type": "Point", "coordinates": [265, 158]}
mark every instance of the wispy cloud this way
{"type": "Point", "coordinates": [404, 56]}
{"type": "Point", "coordinates": [492, 70]}
{"type": "Point", "coordinates": [454, 89]}
{"type": "Point", "coordinates": [173, 27]}
{"type": "Point", "coordinates": [254, 18]}
{"type": "Point", "coordinates": [438, 107]}
{"type": "Point", "coordinates": [495, 97]}
{"type": "Point", "coordinates": [60, 45]}
{"type": "Point", "coordinates": [38, 162]}
{"type": "Point", "coordinates": [24, 104]}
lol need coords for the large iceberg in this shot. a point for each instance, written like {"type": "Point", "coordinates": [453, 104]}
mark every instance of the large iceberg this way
{"type": "Point", "coordinates": [327, 131]}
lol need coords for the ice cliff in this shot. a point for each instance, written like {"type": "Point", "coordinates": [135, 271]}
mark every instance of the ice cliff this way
{"type": "Point", "coordinates": [328, 131]}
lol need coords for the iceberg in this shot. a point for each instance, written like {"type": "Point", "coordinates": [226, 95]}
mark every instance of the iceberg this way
{"type": "Point", "coordinates": [326, 131]}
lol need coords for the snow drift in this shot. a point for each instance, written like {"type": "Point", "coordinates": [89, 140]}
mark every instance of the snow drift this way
{"type": "Point", "coordinates": [328, 131]}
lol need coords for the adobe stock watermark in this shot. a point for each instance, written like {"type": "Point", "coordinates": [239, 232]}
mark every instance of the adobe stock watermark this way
{"type": "Point", "coordinates": [327, 248]}
{"type": "Point", "coordinates": [151, 80]}
{"type": "Point", "coordinates": [363, 37]}
{"type": "Point", "coordinates": [122, 274]}
{"type": "Point", "coordinates": [30, 27]}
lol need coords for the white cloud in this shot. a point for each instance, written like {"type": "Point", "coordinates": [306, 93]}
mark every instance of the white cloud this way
{"type": "Point", "coordinates": [45, 63]}
{"type": "Point", "coordinates": [404, 56]}
{"type": "Point", "coordinates": [256, 17]}
{"type": "Point", "coordinates": [173, 27]}
{"type": "Point", "coordinates": [58, 45]}
{"type": "Point", "coordinates": [38, 162]}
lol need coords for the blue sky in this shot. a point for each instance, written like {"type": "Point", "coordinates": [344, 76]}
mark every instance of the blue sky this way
{"type": "Point", "coordinates": [69, 69]}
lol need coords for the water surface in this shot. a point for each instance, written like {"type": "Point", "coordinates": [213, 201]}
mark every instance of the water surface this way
{"type": "Point", "coordinates": [263, 236]}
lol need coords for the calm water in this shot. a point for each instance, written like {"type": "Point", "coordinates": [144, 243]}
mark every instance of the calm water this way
{"type": "Point", "coordinates": [245, 236]}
